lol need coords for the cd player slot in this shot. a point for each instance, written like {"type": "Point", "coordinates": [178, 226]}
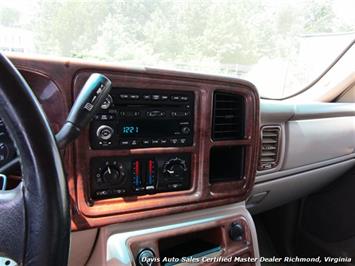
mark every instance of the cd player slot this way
{"type": "Point", "coordinates": [153, 105]}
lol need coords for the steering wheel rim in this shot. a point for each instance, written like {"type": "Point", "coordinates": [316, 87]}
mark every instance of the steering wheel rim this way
{"type": "Point", "coordinates": [35, 218]}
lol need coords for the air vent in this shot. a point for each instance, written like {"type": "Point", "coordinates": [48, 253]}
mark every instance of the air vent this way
{"type": "Point", "coordinates": [228, 116]}
{"type": "Point", "coordinates": [270, 144]}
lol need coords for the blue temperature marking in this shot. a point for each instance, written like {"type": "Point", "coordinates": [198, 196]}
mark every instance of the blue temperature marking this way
{"type": "Point", "coordinates": [150, 180]}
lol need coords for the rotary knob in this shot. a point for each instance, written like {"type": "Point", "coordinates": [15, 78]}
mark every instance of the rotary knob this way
{"type": "Point", "coordinates": [175, 167]}
{"type": "Point", "coordinates": [112, 175]}
{"type": "Point", "coordinates": [107, 102]}
{"type": "Point", "coordinates": [104, 132]}
{"type": "Point", "coordinates": [186, 130]}
{"type": "Point", "coordinates": [146, 257]}
{"type": "Point", "coordinates": [236, 231]}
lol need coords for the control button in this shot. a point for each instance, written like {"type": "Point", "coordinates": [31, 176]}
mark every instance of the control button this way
{"type": "Point", "coordinates": [155, 141]}
{"type": "Point", "coordinates": [175, 168]}
{"type": "Point", "coordinates": [180, 114]}
{"type": "Point", "coordinates": [147, 97]}
{"type": "Point", "coordinates": [183, 141]}
{"type": "Point", "coordinates": [118, 191]}
{"type": "Point", "coordinates": [164, 97]}
{"type": "Point", "coordinates": [155, 97]}
{"type": "Point", "coordinates": [146, 142]}
{"type": "Point", "coordinates": [129, 113]}
{"type": "Point", "coordinates": [184, 98]}
{"type": "Point", "coordinates": [163, 141]}
{"type": "Point", "coordinates": [105, 143]}
{"type": "Point", "coordinates": [124, 96]}
{"type": "Point", "coordinates": [134, 142]}
{"type": "Point", "coordinates": [99, 180]}
{"type": "Point", "coordinates": [173, 141]}
{"type": "Point", "coordinates": [134, 96]}
{"type": "Point", "coordinates": [104, 132]}
{"type": "Point", "coordinates": [236, 231]}
{"type": "Point", "coordinates": [146, 257]}
{"type": "Point", "coordinates": [174, 186]}
{"type": "Point", "coordinates": [185, 130]}
{"type": "Point", "coordinates": [107, 102]}
{"type": "Point", "coordinates": [102, 193]}
{"type": "Point", "coordinates": [175, 98]}
{"type": "Point", "coordinates": [104, 117]}
{"type": "Point", "coordinates": [155, 113]}
{"type": "Point", "coordinates": [112, 175]}
{"type": "Point", "coordinates": [124, 142]}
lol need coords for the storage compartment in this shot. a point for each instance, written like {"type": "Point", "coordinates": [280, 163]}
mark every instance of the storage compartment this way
{"type": "Point", "coordinates": [191, 245]}
{"type": "Point", "coordinates": [226, 163]}
{"type": "Point", "coordinates": [202, 243]}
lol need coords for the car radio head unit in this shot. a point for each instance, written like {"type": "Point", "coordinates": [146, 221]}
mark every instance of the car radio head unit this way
{"type": "Point", "coordinates": [136, 118]}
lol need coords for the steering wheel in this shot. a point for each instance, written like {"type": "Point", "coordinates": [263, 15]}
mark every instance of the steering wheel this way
{"type": "Point", "coordinates": [34, 217]}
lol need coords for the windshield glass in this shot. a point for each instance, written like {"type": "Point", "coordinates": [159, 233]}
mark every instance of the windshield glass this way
{"type": "Point", "coordinates": [279, 45]}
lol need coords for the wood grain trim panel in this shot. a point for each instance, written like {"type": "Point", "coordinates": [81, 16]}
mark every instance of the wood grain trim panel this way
{"type": "Point", "coordinates": [68, 75]}
{"type": "Point", "coordinates": [201, 191]}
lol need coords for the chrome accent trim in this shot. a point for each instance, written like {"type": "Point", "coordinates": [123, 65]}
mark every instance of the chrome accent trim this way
{"type": "Point", "coordinates": [117, 236]}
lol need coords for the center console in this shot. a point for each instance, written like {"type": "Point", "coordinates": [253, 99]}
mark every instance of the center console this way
{"type": "Point", "coordinates": [136, 118]}
{"type": "Point", "coordinates": [163, 143]}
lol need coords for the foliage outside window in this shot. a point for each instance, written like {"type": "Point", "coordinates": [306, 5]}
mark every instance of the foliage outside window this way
{"type": "Point", "coordinates": [280, 45]}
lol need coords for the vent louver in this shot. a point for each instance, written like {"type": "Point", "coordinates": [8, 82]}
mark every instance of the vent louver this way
{"type": "Point", "coordinates": [270, 144]}
{"type": "Point", "coordinates": [228, 116]}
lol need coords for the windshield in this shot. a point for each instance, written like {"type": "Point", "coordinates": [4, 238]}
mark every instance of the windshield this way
{"type": "Point", "coordinates": [279, 45]}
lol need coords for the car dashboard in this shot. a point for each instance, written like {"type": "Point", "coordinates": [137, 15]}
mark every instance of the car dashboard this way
{"type": "Point", "coordinates": [174, 163]}
{"type": "Point", "coordinates": [170, 156]}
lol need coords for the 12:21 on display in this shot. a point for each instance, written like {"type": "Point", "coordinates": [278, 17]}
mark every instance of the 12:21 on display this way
{"type": "Point", "coordinates": [130, 130]}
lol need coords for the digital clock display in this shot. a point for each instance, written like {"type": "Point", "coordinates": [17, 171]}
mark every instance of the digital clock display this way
{"type": "Point", "coordinates": [130, 130]}
{"type": "Point", "coordinates": [148, 129]}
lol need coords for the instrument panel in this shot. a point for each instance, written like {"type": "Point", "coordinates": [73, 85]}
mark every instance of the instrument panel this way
{"type": "Point", "coordinates": [153, 166]}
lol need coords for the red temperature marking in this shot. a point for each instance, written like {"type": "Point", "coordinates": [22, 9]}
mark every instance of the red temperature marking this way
{"type": "Point", "coordinates": [137, 167]}
{"type": "Point", "coordinates": [150, 167]}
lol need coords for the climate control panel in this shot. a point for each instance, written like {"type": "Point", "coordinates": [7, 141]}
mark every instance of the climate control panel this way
{"type": "Point", "coordinates": [139, 175]}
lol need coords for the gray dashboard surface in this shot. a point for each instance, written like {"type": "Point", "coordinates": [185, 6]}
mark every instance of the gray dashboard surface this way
{"type": "Point", "coordinates": [315, 137]}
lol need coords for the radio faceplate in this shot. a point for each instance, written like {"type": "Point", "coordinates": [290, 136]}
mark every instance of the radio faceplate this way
{"type": "Point", "coordinates": [136, 118]}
